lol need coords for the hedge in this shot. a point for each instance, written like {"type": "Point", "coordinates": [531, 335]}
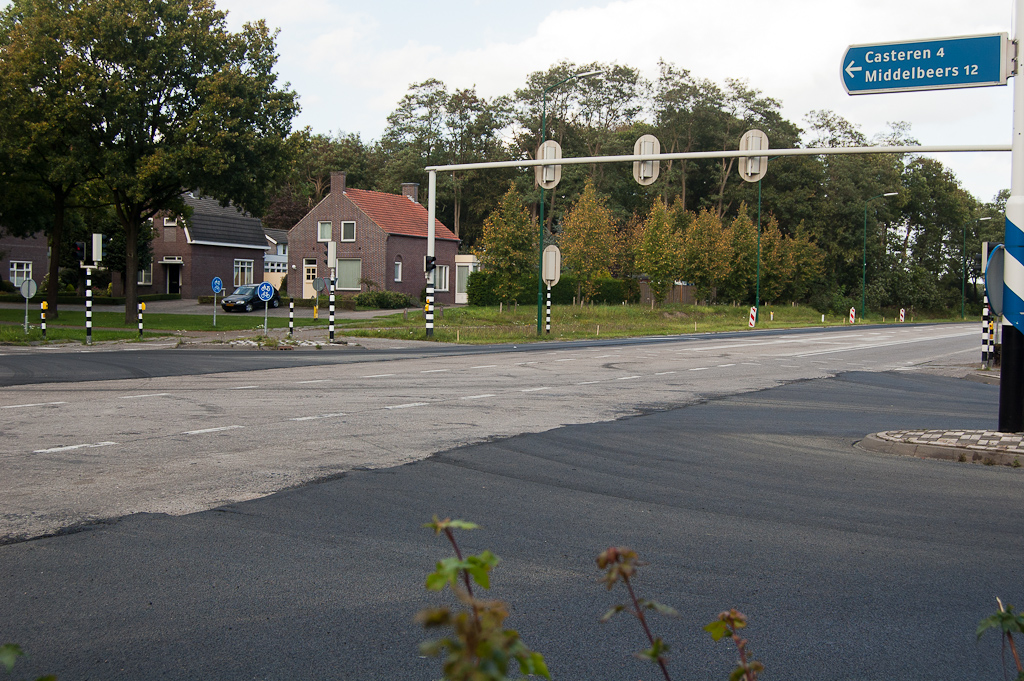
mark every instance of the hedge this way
{"type": "Point", "coordinates": [340, 302]}
{"type": "Point", "coordinates": [609, 291]}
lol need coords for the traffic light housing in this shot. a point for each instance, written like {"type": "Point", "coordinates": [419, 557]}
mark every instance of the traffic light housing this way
{"type": "Point", "coordinates": [431, 263]}
{"type": "Point", "coordinates": [79, 251]}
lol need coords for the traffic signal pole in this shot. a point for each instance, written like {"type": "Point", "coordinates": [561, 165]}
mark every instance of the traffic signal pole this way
{"type": "Point", "coordinates": [1011, 378]}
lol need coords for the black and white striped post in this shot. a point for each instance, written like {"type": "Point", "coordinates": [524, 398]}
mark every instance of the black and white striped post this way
{"type": "Point", "coordinates": [42, 318]}
{"type": "Point", "coordinates": [142, 306]}
{"type": "Point", "coordinates": [428, 309]}
{"type": "Point", "coordinates": [88, 306]}
{"type": "Point", "coordinates": [547, 315]}
{"type": "Point", "coordinates": [330, 309]}
{"type": "Point", "coordinates": [984, 332]}
{"type": "Point", "coordinates": [291, 318]}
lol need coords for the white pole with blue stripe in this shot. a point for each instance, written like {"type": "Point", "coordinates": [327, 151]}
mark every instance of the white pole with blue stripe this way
{"type": "Point", "coordinates": [1011, 382]}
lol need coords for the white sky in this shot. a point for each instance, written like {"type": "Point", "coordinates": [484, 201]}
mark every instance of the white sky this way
{"type": "Point", "coordinates": [352, 61]}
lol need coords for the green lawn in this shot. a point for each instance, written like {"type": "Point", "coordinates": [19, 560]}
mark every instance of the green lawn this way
{"type": "Point", "coordinates": [519, 324]}
{"type": "Point", "coordinates": [463, 325]}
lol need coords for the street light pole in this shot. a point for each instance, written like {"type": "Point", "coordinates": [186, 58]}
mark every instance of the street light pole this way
{"type": "Point", "coordinates": [864, 269]}
{"type": "Point", "coordinates": [543, 138]}
{"type": "Point", "coordinates": [963, 269]}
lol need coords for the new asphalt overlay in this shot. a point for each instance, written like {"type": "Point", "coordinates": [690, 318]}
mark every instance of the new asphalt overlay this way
{"type": "Point", "coordinates": [850, 564]}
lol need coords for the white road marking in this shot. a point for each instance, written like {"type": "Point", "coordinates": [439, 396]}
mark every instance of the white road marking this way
{"type": "Point", "coordinates": [243, 387]}
{"type": "Point", "coordinates": [211, 430]}
{"type": "Point", "coordinates": [603, 356]}
{"type": "Point", "coordinates": [485, 366]}
{"type": "Point", "coordinates": [132, 397]}
{"type": "Point", "coordinates": [433, 371]}
{"type": "Point", "coordinates": [700, 369]}
{"type": "Point", "coordinates": [70, 447]}
{"type": "Point", "coordinates": [626, 378]}
{"type": "Point", "coordinates": [872, 346]}
{"type": "Point", "coordinates": [533, 390]}
{"type": "Point", "coordinates": [751, 364]}
{"type": "Point", "coordinates": [722, 366]}
{"type": "Point", "coordinates": [477, 397]}
{"type": "Point", "coordinates": [319, 380]}
{"type": "Point", "coordinates": [664, 373]}
{"type": "Point", "coordinates": [378, 375]}
{"type": "Point", "coordinates": [588, 382]}
{"type": "Point", "coordinates": [566, 359]}
{"type": "Point", "coordinates": [37, 404]}
{"type": "Point", "coordinates": [790, 366]}
{"type": "Point", "coordinates": [319, 416]}
{"type": "Point", "coordinates": [407, 406]}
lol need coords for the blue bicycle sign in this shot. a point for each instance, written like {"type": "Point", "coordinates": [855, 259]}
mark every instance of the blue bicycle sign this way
{"type": "Point", "coordinates": [217, 285]}
{"type": "Point", "coordinates": [265, 291]}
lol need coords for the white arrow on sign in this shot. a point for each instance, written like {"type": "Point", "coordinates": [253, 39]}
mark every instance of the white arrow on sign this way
{"type": "Point", "coordinates": [850, 69]}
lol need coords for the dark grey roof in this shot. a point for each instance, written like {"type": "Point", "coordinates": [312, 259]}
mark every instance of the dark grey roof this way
{"type": "Point", "coordinates": [278, 235]}
{"type": "Point", "coordinates": [212, 223]}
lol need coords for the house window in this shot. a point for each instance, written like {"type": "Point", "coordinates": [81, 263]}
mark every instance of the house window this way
{"type": "Point", "coordinates": [350, 271]}
{"type": "Point", "coordinates": [243, 272]}
{"type": "Point", "coordinates": [440, 277]}
{"type": "Point", "coordinates": [398, 269]}
{"type": "Point", "coordinates": [348, 231]}
{"type": "Point", "coordinates": [269, 266]}
{"type": "Point", "coordinates": [20, 271]}
{"type": "Point", "coordinates": [146, 276]}
{"type": "Point", "coordinates": [170, 222]}
{"type": "Point", "coordinates": [323, 231]}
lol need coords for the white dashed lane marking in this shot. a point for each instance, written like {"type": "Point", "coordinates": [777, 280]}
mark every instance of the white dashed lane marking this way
{"type": "Point", "coordinates": [71, 447]}
{"type": "Point", "coordinates": [37, 404]}
{"type": "Point", "coordinates": [136, 397]}
{"type": "Point", "coordinates": [407, 406]}
{"type": "Point", "coordinates": [210, 430]}
{"type": "Point", "coordinates": [478, 397]}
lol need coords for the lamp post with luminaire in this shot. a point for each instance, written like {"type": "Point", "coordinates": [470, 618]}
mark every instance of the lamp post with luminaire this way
{"type": "Point", "coordinates": [864, 270]}
{"type": "Point", "coordinates": [543, 138]}
{"type": "Point", "coordinates": [963, 268]}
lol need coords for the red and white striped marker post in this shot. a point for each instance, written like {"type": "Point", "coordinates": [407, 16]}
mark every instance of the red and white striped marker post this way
{"type": "Point", "coordinates": [903, 315]}
{"type": "Point", "coordinates": [753, 317]}
{"type": "Point", "coordinates": [853, 315]}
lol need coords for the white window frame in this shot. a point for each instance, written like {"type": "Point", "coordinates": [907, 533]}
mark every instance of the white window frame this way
{"type": "Point", "coordinates": [440, 283]}
{"type": "Point", "coordinates": [145, 277]}
{"type": "Point", "coordinates": [22, 273]}
{"type": "Point", "coordinates": [358, 286]}
{"type": "Point", "coordinates": [398, 270]}
{"type": "Point", "coordinates": [320, 230]}
{"type": "Point", "coordinates": [241, 269]}
{"type": "Point", "coordinates": [170, 222]}
{"type": "Point", "coordinates": [345, 226]}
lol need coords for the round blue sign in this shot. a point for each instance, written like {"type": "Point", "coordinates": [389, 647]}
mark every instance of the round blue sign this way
{"type": "Point", "coordinates": [265, 291]}
{"type": "Point", "coordinates": [217, 285]}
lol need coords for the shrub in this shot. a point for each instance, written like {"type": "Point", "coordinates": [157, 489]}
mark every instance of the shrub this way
{"type": "Point", "coordinates": [385, 300]}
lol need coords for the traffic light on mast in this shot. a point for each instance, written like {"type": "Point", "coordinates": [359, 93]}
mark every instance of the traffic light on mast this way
{"type": "Point", "coordinates": [430, 263]}
{"type": "Point", "coordinates": [79, 251]}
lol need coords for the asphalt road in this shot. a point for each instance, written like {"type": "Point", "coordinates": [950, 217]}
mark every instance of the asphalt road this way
{"type": "Point", "coordinates": [850, 565]}
{"type": "Point", "coordinates": [79, 451]}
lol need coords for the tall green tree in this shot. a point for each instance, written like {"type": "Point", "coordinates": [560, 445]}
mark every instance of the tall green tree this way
{"type": "Point", "coordinates": [45, 154]}
{"type": "Point", "coordinates": [588, 239]}
{"type": "Point", "coordinates": [707, 254]}
{"type": "Point", "coordinates": [508, 246]}
{"type": "Point", "coordinates": [658, 252]}
{"type": "Point", "coordinates": [178, 102]}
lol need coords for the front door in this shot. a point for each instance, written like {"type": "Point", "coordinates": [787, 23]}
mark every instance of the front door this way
{"type": "Point", "coordinates": [462, 273]}
{"type": "Point", "coordinates": [173, 278]}
{"type": "Point", "coordinates": [308, 276]}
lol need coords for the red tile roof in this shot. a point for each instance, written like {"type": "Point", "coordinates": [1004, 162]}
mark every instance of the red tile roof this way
{"type": "Point", "coordinates": [397, 214]}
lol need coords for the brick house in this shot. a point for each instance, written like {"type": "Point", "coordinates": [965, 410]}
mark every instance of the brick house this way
{"type": "Point", "coordinates": [216, 241]}
{"type": "Point", "coordinates": [22, 259]}
{"type": "Point", "coordinates": [382, 238]}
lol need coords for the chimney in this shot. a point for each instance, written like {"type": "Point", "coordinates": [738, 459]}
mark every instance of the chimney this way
{"type": "Point", "coordinates": [337, 182]}
{"type": "Point", "coordinates": [412, 190]}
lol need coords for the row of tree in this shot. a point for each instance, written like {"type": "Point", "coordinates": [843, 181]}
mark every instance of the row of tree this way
{"type": "Point", "coordinates": [726, 260]}
{"type": "Point", "coordinates": [915, 245]}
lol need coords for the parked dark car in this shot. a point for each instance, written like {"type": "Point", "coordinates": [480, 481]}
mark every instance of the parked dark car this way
{"type": "Point", "coordinates": [245, 299]}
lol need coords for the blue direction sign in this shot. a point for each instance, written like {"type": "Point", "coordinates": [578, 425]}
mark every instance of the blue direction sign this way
{"type": "Point", "coordinates": [938, 64]}
{"type": "Point", "coordinates": [265, 291]}
{"type": "Point", "coordinates": [217, 285]}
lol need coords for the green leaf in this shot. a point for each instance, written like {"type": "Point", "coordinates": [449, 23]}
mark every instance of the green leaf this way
{"type": "Point", "coordinates": [436, 581]}
{"type": "Point", "coordinates": [660, 608]}
{"type": "Point", "coordinates": [534, 665]}
{"type": "Point", "coordinates": [718, 629]}
{"type": "Point", "coordinates": [463, 525]}
{"type": "Point", "coordinates": [612, 613]}
{"type": "Point", "coordinates": [9, 653]}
